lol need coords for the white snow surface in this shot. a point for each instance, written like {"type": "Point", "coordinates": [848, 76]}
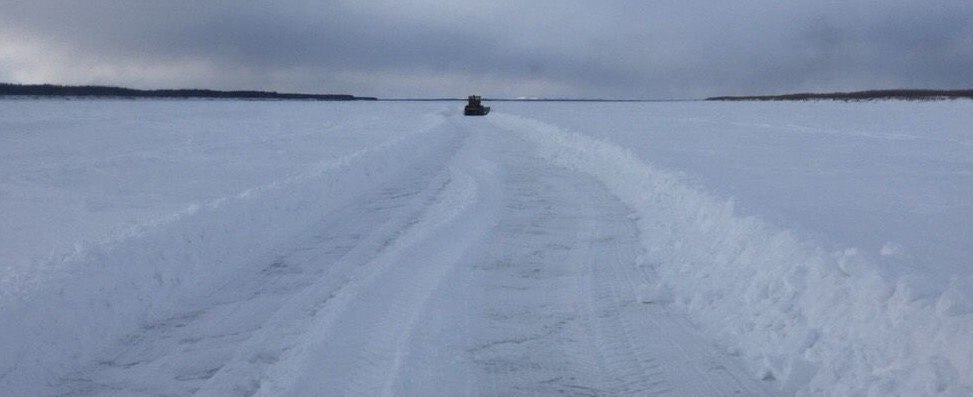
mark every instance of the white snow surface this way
{"type": "Point", "coordinates": [397, 248]}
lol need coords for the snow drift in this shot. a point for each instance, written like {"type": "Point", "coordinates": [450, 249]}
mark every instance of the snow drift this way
{"type": "Point", "coordinates": [817, 322]}
{"type": "Point", "coordinates": [117, 216]}
{"type": "Point", "coordinates": [80, 304]}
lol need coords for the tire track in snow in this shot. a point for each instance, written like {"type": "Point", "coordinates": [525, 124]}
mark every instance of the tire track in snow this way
{"type": "Point", "coordinates": [487, 272]}
{"type": "Point", "coordinates": [360, 340]}
{"type": "Point", "coordinates": [224, 342]}
{"type": "Point", "coordinates": [554, 306]}
{"type": "Point", "coordinates": [646, 350]}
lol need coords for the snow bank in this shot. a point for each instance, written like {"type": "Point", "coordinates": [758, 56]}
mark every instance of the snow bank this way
{"type": "Point", "coordinates": [892, 179]}
{"type": "Point", "coordinates": [77, 174]}
{"type": "Point", "coordinates": [104, 291]}
{"type": "Point", "coordinates": [813, 321]}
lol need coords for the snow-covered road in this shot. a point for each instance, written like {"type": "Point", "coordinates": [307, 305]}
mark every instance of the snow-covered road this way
{"type": "Point", "coordinates": [479, 269]}
{"type": "Point", "coordinates": [397, 248]}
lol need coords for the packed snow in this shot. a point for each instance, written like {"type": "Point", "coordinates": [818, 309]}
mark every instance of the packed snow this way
{"type": "Point", "coordinates": [397, 248]}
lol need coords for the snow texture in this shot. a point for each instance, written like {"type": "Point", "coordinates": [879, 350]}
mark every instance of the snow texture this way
{"type": "Point", "coordinates": [817, 322]}
{"type": "Point", "coordinates": [296, 248]}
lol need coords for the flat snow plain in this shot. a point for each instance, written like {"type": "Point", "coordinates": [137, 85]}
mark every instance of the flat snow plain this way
{"type": "Point", "coordinates": [397, 248]}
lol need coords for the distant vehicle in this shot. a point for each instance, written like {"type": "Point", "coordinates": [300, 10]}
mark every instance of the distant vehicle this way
{"type": "Point", "coordinates": [474, 107]}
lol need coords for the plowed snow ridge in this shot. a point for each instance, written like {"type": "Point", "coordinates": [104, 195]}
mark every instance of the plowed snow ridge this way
{"type": "Point", "coordinates": [818, 323]}
{"type": "Point", "coordinates": [468, 267]}
{"type": "Point", "coordinates": [474, 256]}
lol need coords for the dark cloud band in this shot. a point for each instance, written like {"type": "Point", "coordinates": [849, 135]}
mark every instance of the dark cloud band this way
{"type": "Point", "coordinates": [624, 48]}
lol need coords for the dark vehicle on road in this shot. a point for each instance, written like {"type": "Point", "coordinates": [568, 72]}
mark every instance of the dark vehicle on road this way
{"type": "Point", "coordinates": [474, 107]}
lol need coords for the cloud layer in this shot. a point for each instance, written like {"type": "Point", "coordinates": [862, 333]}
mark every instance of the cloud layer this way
{"type": "Point", "coordinates": [425, 48]}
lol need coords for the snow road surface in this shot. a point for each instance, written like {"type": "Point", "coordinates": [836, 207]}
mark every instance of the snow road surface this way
{"type": "Point", "coordinates": [297, 249]}
{"type": "Point", "coordinates": [473, 269]}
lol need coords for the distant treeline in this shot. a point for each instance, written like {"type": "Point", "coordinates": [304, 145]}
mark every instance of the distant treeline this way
{"type": "Point", "coordinates": [534, 100]}
{"type": "Point", "coordinates": [49, 90]}
{"type": "Point", "coordinates": [912, 95]}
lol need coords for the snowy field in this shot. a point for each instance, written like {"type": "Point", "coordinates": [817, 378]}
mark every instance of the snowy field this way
{"type": "Point", "coordinates": [362, 248]}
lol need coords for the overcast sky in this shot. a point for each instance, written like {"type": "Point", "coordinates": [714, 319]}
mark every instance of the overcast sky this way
{"type": "Point", "coordinates": [500, 48]}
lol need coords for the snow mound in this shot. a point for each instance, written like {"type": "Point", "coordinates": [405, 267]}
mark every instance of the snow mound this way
{"type": "Point", "coordinates": [812, 321]}
{"type": "Point", "coordinates": [68, 312]}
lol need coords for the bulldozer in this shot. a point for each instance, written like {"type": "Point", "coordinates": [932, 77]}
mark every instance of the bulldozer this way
{"type": "Point", "coordinates": [474, 107]}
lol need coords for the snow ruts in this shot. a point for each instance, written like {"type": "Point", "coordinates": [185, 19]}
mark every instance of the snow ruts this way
{"type": "Point", "coordinates": [552, 307]}
{"type": "Point", "coordinates": [165, 280]}
{"type": "Point", "coordinates": [359, 339]}
{"type": "Point", "coordinates": [812, 321]}
{"type": "Point", "coordinates": [475, 269]}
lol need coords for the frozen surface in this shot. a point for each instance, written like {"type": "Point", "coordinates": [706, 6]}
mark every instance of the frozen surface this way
{"type": "Point", "coordinates": [301, 248]}
{"type": "Point", "coordinates": [892, 180]}
{"type": "Point", "coordinates": [75, 174]}
{"type": "Point", "coordinates": [793, 281]}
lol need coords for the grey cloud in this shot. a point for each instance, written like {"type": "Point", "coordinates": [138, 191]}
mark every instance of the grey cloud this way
{"type": "Point", "coordinates": [620, 48]}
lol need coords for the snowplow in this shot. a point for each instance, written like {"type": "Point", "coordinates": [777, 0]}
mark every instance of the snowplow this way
{"type": "Point", "coordinates": [474, 107]}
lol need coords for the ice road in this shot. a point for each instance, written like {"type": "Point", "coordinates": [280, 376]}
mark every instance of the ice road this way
{"type": "Point", "coordinates": [220, 248]}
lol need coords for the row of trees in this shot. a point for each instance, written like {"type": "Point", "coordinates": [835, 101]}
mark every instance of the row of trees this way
{"type": "Point", "coordinates": [916, 95]}
{"type": "Point", "coordinates": [49, 90]}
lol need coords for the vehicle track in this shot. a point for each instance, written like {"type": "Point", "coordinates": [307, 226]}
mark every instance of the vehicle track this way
{"type": "Point", "coordinates": [223, 342]}
{"type": "Point", "coordinates": [550, 306]}
{"type": "Point", "coordinates": [484, 270]}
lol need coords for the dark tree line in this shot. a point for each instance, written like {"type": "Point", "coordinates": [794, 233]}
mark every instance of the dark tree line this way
{"type": "Point", "coordinates": [49, 90]}
{"type": "Point", "coordinates": [914, 95]}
